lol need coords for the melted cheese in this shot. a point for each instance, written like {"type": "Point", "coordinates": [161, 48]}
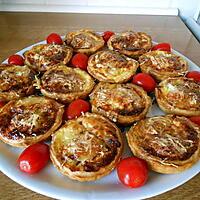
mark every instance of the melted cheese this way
{"type": "Point", "coordinates": [158, 127]}
{"type": "Point", "coordinates": [161, 61]}
{"type": "Point", "coordinates": [183, 93]}
{"type": "Point", "coordinates": [53, 47]}
{"type": "Point", "coordinates": [171, 88]}
{"type": "Point", "coordinates": [85, 40]}
{"type": "Point", "coordinates": [130, 41]}
{"type": "Point", "coordinates": [84, 139]}
{"type": "Point", "coordinates": [79, 142]}
{"type": "Point", "coordinates": [118, 97]}
{"type": "Point", "coordinates": [31, 121]}
{"type": "Point", "coordinates": [170, 140]}
{"type": "Point", "coordinates": [111, 66]}
{"type": "Point", "coordinates": [42, 54]}
{"type": "Point", "coordinates": [71, 81]}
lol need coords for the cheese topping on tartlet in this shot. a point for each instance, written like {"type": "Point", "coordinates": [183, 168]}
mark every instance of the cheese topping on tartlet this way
{"type": "Point", "coordinates": [66, 84]}
{"type": "Point", "coordinates": [86, 148]}
{"type": "Point", "coordinates": [179, 96]}
{"type": "Point", "coordinates": [29, 120]}
{"type": "Point", "coordinates": [15, 82]}
{"type": "Point", "coordinates": [169, 144]}
{"type": "Point", "coordinates": [84, 41]}
{"type": "Point", "coordinates": [130, 43]}
{"type": "Point", "coordinates": [162, 65]}
{"type": "Point", "coordinates": [43, 56]}
{"type": "Point", "coordinates": [110, 66]}
{"type": "Point", "coordinates": [121, 103]}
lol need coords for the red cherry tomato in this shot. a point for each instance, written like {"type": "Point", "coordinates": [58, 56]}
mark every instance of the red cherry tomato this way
{"type": "Point", "coordinates": [162, 47]}
{"type": "Point", "coordinates": [107, 35]}
{"type": "Point", "coordinates": [80, 60]}
{"type": "Point", "coordinates": [54, 38]}
{"type": "Point", "coordinates": [195, 119]}
{"type": "Point", "coordinates": [194, 75]}
{"type": "Point", "coordinates": [76, 107]}
{"type": "Point", "coordinates": [34, 158]}
{"type": "Point", "coordinates": [2, 104]}
{"type": "Point", "coordinates": [132, 172]}
{"type": "Point", "coordinates": [145, 81]}
{"type": "Point", "coordinates": [16, 60]}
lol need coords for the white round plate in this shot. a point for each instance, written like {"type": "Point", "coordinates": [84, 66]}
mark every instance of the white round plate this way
{"type": "Point", "coordinates": [51, 183]}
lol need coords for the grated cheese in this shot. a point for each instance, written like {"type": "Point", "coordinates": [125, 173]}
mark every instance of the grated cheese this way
{"type": "Point", "coordinates": [37, 83]}
{"type": "Point", "coordinates": [31, 121]}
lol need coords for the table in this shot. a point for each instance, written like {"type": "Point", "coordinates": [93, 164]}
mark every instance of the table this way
{"type": "Point", "coordinates": [19, 30]}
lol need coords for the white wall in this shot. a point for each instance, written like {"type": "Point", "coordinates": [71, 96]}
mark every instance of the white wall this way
{"type": "Point", "coordinates": [135, 3]}
{"type": "Point", "coordinates": [187, 8]}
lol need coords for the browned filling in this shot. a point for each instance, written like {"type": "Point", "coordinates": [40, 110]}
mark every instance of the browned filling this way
{"type": "Point", "coordinates": [26, 121]}
{"type": "Point", "coordinates": [16, 80]}
{"type": "Point", "coordinates": [122, 100]}
{"type": "Point", "coordinates": [130, 42]}
{"type": "Point", "coordinates": [92, 149]}
{"type": "Point", "coordinates": [105, 154]}
{"type": "Point", "coordinates": [60, 82]}
{"type": "Point", "coordinates": [81, 41]}
{"type": "Point", "coordinates": [111, 59]}
{"type": "Point", "coordinates": [185, 95]}
{"type": "Point", "coordinates": [169, 141]}
{"type": "Point", "coordinates": [47, 55]}
{"type": "Point", "coordinates": [135, 111]}
{"type": "Point", "coordinates": [45, 61]}
{"type": "Point", "coordinates": [163, 63]}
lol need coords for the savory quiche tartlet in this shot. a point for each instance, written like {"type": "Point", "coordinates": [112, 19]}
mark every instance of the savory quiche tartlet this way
{"type": "Point", "coordinates": [29, 120]}
{"type": "Point", "coordinates": [163, 64]}
{"type": "Point", "coordinates": [84, 41]}
{"type": "Point", "coordinates": [86, 148]}
{"type": "Point", "coordinates": [41, 57]}
{"type": "Point", "coordinates": [121, 103]}
{"type": "Point", "coordinates": [110, 66]}
{"type": "Point", "coordinates": [170, 144]}
{"type": "Point", "coordinates": [179, 96]}
{"type": "Point", "coordinates": [130, 43]}
{"type": "Point", "coordinates": [15, 82]}
{"type": "Point", "coordinates": [65, 84]}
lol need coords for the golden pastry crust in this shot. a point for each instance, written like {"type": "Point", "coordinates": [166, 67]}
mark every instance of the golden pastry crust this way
{"type": "Point", "coordinates": [29, 120]}
{"type": "Point", "coordinates": [162, 65]}
{"type": "Point", "coordinates": [179, 96]}
{"type": "Point", "coordinates": [15, 82]}
{"type": "Point", "coordinates": [110, 66]}
{"type": "Point", "coordinates": [65, 84]}
{"type": "Point", "coordinates": [121, 103]}
{"type": "Point", "coordinates": [130, 43]}
{"type": "Point", "coordinates": [84, 41]}
{"type": "Point", "coordinates": [170, 144]}
{"type": "Point", "coordinates": [86, 148]}
{"type": "Point", "coordinates": [41, 57]}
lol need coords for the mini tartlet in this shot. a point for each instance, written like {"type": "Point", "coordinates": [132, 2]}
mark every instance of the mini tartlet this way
{"type": "Point", "coordinates": [121, 103]}
{"type": "Point", "coordinates": [41, 57]}
{"type": "Point", "coordinates": [110, 66]}
{"type": "Point", "coordinates": [179, 96]}
{"type": "Point", "coordinates": [162, 65]}
{"type": "Point", "coordinates": [65, 84]}
{"type": "Point", "coordinates": [130, 43]}
{"type": "Point", "coordinates": [86, 148]}
{"type": "Point", "coordinates": [84, 41]}
{"type": "Point", "coordinates": [15, 82]}
{"type": "Point", "coordinates": [170, 144]}
{"type": "Point", "coordinates": [29, 120]}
